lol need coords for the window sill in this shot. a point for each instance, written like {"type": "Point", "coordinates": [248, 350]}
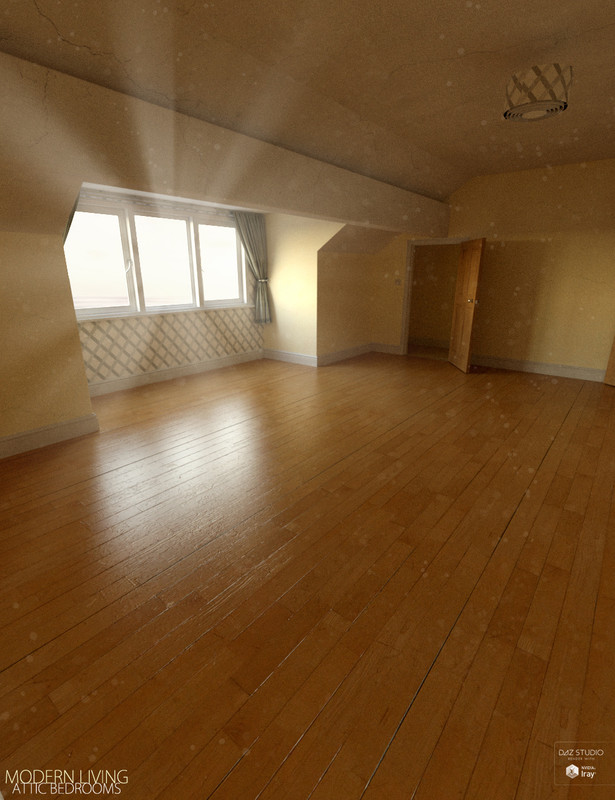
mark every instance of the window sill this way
{"type": "Point", "coordinates": [84, 317]}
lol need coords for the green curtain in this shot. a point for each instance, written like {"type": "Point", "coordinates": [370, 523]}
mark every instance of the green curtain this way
{"type": "Point", "coordinates": [251, 228]}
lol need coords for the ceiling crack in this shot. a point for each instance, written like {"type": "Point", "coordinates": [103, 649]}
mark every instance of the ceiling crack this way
{"type": "Point", "coordinates": [102, 54]}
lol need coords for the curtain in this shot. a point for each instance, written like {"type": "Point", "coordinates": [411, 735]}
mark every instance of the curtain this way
{"type": "Point", "coordinates": [251, 229]}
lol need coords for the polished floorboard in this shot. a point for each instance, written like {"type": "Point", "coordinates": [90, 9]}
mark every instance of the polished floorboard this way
{"type": "Point", "coordinates": [379, 579]}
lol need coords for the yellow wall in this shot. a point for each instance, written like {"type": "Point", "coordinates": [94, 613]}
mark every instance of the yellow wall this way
{"type": "Point", "coordinates": [388, 291]}
{"type": "Point", "coordinates": [292, 248]}
{"type": "Point", "coordinates": [344, 288]}
{"type": "Point", "coordinates": [361, 298]}
{"type": "Point", "coordinates": [42, 378]}
{"type": "Point", "coordinates": [547, 288]}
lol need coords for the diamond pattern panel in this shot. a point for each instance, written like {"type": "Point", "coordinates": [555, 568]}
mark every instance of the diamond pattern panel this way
{"type": "Point", "coordinates": [129, 346]}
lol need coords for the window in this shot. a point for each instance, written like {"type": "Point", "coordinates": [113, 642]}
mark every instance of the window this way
{"type": "Point", "coordinates": [164, 259]}
{"type": "Point", "coordinates": [217, 248]}
{"type": "Point", "coordinates": [131, 254]}
{"type": "Point", "coordinates": [95, 252]}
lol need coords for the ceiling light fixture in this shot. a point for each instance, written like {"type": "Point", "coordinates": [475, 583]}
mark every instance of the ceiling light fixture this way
{"type": "Point", "coordinates": [537, 93]}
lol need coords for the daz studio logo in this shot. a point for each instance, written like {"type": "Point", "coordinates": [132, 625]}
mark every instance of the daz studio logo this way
{"type": "Point", "coordinates": [572, 771]}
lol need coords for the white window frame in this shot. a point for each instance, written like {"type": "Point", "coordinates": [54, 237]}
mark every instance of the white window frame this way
{"type": "Point", "coordinates": [241, 266]}
{"type": "Point", "coordinates": [127, 205]}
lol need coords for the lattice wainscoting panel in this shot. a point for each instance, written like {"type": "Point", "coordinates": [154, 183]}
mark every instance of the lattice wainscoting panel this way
{"type": "Point", "coordinates": [132, 346]}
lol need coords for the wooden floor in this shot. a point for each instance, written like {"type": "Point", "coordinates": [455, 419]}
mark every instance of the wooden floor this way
{"type": "Point", "coordinates": [378, 579]}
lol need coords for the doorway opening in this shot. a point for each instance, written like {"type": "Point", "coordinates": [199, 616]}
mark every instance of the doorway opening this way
{"type": "Point", "coordinates": [441, 302]}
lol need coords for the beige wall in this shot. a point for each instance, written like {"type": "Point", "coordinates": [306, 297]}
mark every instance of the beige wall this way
{"type": "Point", "coordinates": [293, 244]}
{"type": "Point", "coordinates": [389, 269]}
{"type": "Point", "coordinates": [361, 297]}
{"type": "Point", "coordinates": [42, 379]}
{"type": "Point", "coordinates": [57, 132]}
{"type": "Point", "coordinates": [547, 286]}
{"type": "Point", "coordinates": [344, 289]}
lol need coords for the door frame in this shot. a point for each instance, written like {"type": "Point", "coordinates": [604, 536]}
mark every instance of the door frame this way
{"type": "Point", "coordinates": [412, 245]}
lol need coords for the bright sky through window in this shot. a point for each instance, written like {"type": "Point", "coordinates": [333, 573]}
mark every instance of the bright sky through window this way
{"type": "Point", "coordinates": [136, 254]}
{"type": "Point", "coordinates": [165, 261]}
{"type": "Point", "coordinates": [95, 257]}
{"type": "Point", "coordinates": [217, 248]}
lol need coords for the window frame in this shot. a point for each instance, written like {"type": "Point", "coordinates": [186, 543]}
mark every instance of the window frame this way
{"type": "Point", "coordinates": [95, 312]}
{"type": "Point", "coordinates": [241, 267]}
{"type": "Point", "coordinates": [126, 206]}
{"type": "Point", "coordinates": [158, 309]}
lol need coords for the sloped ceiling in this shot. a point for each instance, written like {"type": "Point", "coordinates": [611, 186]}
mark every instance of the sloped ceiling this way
{"type": "Point", "coordinates": [410, 93]}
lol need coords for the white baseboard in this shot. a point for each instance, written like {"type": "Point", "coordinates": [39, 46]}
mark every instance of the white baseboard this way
{"type": "Point", "coordinates": [342, 355]}
{"type": "Point", "coordinates": [291, 358]}
{"type": "Point", "coordinates": [517, 365]}
{"type": "Point", "coordinates": [131, 382]}
{"type": "Point", "coordinates": [50, 434]}
{"type": "Point", "coordinates": [353, 352]}
{"type": "Point", "coordinates": [536, 367]}
{"type": "Point", "coordinates": [331, 358]}
{"type": "Point", "coordinates": [556, 370]}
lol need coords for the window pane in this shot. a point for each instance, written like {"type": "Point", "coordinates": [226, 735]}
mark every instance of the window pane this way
{"type": "Point", "coordinates": [164, 260]}
{"type": "Point", "coordinates": [218, 250]}
{"type": "Point", "coordinates": [95, 261]}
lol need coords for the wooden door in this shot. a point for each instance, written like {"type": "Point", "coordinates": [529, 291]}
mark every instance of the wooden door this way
{"type": "Point", "coordinates": [610, 369]}
{"type": "Point", "coordinates": [465, 304]}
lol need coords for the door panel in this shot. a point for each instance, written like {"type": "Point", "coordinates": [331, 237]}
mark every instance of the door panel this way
{"type": "Point", "coordinates": [465, 304]}
{"type": "Point", "coordinates": [610, 370]}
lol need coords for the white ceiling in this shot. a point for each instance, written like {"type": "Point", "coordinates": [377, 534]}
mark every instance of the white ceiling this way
{"type": "Point", "coordinates": [408, 92]}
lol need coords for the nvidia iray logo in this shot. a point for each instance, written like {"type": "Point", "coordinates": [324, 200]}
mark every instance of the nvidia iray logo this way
{"type": "Point", "coordinates": [572, 771]}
